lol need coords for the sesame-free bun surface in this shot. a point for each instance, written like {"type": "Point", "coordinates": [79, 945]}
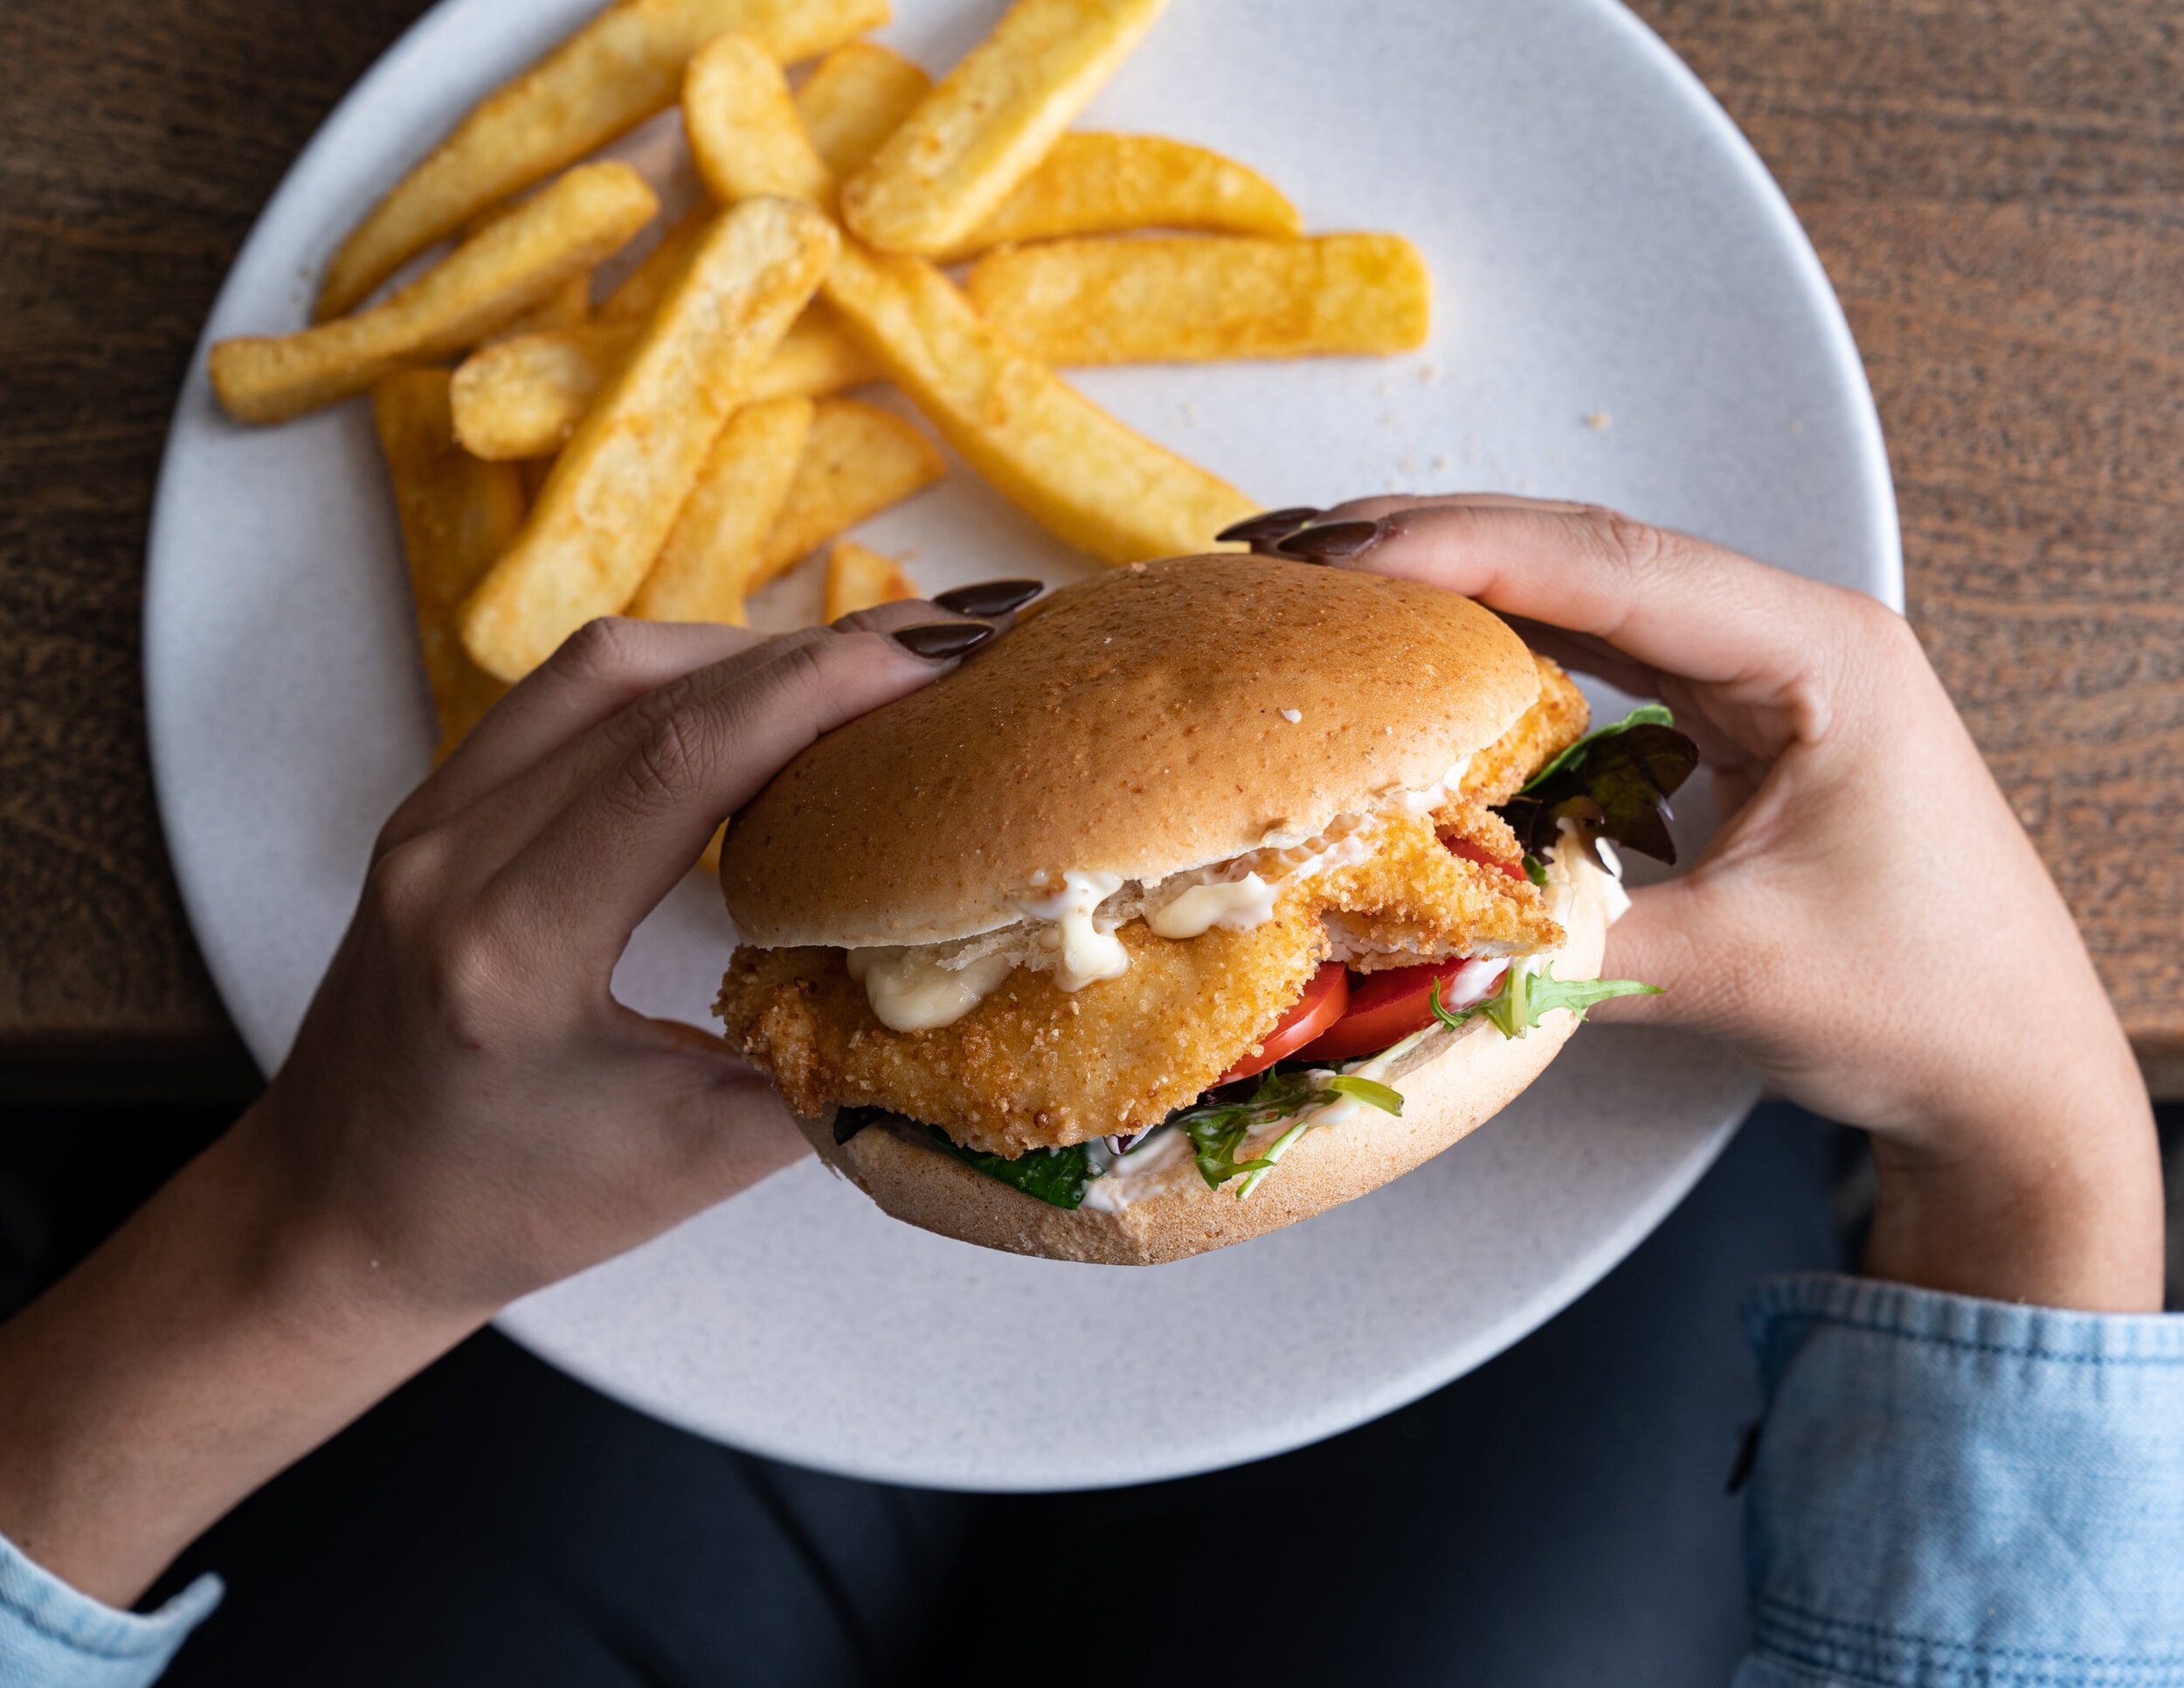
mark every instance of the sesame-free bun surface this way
{"type": "Point", "coordinates": [1134, 725]}
{"type": "Point", "coordinates": [1452, 1084]}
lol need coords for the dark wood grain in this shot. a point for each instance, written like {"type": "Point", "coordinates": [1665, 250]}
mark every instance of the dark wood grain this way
{"type": "Point", "coordinates": [1997, 186]}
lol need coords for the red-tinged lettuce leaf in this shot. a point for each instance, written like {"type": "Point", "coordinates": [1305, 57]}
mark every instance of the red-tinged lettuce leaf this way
{"type": "Point", "coordinates": [1617, 780]}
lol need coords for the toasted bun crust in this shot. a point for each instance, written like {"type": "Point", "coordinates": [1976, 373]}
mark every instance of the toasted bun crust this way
{"type": "Point", "coordinates": [1452, 1084]}
{"type": "Point", "coordinates": [1134, 725]}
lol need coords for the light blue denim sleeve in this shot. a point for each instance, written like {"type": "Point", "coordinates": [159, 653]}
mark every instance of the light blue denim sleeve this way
{"type": "Point", "coordinates": [53, 1636]}
{"type": "Point", "coordinates": [1948, 1492]}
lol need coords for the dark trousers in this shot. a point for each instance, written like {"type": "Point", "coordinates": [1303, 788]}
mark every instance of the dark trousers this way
{"type": "Point", "coordinates": [1558, 1517]}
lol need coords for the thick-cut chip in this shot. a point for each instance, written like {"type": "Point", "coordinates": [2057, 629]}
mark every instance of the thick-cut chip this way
{"type": "Point", "coordinates": [457, 514]}
{"type": "Point", "coordinates": [858, 459]}
{"type": "Point", "coordinates": [705, 569]}
{"type": "Point", "coordinates": [614, 494]}
{"type": "Point", "coordinates": [854, 99]}
{"type": "Point", "coordinates": [745, 135]}
{"type": "Point", "coordinates": [1202, 299]}
{"type": "Point", "coordinates": [1067, 463]}
{"type": "Point", "coordinates": [567, 306]}
{"type": "Point", "coordinates": [482, 286]}
{"type": "Point", "coordinates": [957, 156]}
{"type": "Point", "coordinates": [522, 397]}
{"type": "Point", "coordinates": [1093, 184]}
{"type": "Point", "coordinates": [638, 293]}
{"type": "Point", "coordinates": [623, 66]}
{"type": "Point", "coordinates": [859, 577]}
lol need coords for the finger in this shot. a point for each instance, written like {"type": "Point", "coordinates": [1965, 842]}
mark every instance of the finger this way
{"type": "Point", "coordinates": [1660, 940]}
{"type": "Point", "coordinates": [601, 669]}
{"type": "Point", "coordinates": [599, 865]}
{"type": "Point", "coordinates": [1675, 603]}
{"type": "Point", "coordinates": [499, 824]}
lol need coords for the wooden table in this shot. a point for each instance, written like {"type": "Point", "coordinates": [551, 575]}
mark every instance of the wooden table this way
{"type": "Point", "coordinates": [1997, 186]}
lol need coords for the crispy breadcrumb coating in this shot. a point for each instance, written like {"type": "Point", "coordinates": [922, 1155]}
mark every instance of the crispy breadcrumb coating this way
{"type": "Point", "coordinates": [1032, 1066]}
{"type": "Point", "coordinates": [1557, 721]}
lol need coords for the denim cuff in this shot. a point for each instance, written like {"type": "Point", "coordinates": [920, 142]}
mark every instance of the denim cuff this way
{"type": "Point", "coordinates": [52, 1635]}
{"type": "Point", "coordinates": [1951, 1491]}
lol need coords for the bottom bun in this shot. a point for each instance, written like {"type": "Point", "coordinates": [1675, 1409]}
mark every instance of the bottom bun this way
{"type": "Point", "coordinates": [1452, 1084]}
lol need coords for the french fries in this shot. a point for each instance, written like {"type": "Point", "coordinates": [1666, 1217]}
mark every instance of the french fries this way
{"type": "Point", "coordinates": [456, 515]}
{"type": "Point", "coordinates": [707, 565]}
{"type": "Point", "coordinates": [567, 306]}
{"type": "Point", "coordinates": [1067, 463]}
{"type": "Point", "coordinates": [522, 396]}
{"type": "Point", "coordinates": [859, 577]}
{"type": "Point", "coordinates": [854, 99]}
{"type": "Point", "coordinates": [1197, 298]}
{"type": "Point", "coordinates": [858, 459]}
{"type": "Point", "coordinates": [640, 291]}
{"type": "Point", "coordinates": [951, 164]}
{"type": "Point", "coordinates": [1093, 184]}
{"type": "Point", "coordinates": [622, 67]}
{"type": "Point", "coordinates": [615, 492]}
{"type": "Point", "coordinates": [745, 136]}
{"type": "Point", "coordinates": [482, 286]}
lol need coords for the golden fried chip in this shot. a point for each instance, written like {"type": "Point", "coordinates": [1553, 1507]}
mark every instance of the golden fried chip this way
{"type": "Point", "coordinates": [522, 397]}
{"type": "Point", "coordinates": [1206, 298]}
{"type": "Point", "coordinates": [479, 286]}
{"type": "Point", "coordinates": [638, 293]}
{"type": "Point", "coordinates": [854, 99]}
{"type": "Point", "coordinates": [567, 306]}
{"type": "Point", "coordinates": [858, 459]}
{"type": "Point", "coordinates": [1067, 463]}
{"type": "Point", "coordinates": [706, 567]}
{"type": "Point", "coordinates": [745, 138]}
{"type": "Point", "coordinates": [952, 161]}
{"type": "Point", "coordinates": [623, 66]}
{"type": "Point", "coordinates": [1093, 184]}
{"type": "Point", "coordinates": [457, 514]}
{"type": "Point", "coordinates": [614, 494]}
{"type": "Point", "coordinates": [859, 577]}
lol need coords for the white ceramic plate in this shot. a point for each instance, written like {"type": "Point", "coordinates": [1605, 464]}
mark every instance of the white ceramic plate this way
{"type": "Point", "coordinates": [1626, 311]}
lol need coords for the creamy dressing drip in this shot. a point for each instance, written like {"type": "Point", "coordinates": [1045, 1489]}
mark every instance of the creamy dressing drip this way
{"type": "Point", "coordinates": [925, 986]}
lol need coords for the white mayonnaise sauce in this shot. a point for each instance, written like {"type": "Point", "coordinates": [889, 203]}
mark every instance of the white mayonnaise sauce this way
{"type": "Point", "coordinates": [910, 992]}
{"type": "Point", "coordinates": [1237, 905]}
{"type": "Point", "coordinates": [1129, 1176]}
{"type": "Point", "coordinates": [1089, 949]}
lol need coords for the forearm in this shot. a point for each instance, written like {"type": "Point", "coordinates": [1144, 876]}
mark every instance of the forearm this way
{"type": "Point", "coordinates": [208, 1343]}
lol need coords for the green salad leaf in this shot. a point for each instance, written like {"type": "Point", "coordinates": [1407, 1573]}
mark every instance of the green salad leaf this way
{"type": "Point", "coordinates": [1617, 780]}
{"type": "Point", "coordinates": [1524, 997]}
{"type": "Point", "coordinates": [1217, 1129]}
{"type": "Point", "coordinates": [1058, 1177]}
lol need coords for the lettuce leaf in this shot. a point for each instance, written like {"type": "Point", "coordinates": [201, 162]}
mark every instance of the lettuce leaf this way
{"type": "Point", "coordinates": [1522, 999]}
{"type": "Point", "coordinates": [1217, 1129]}
{"type": "Point", "coordinates": [1058, 1177]}
{"type": "Point", "coordinates": [1618, 780]}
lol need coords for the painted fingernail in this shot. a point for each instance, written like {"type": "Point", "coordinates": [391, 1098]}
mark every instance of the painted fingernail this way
{"type": "Point", "coordinates": [1336, 539]}
{"type": "Point", "coordinates": [1270, 524]}
{"type": "Point", "coordinates": [990, 596]}
{"type": "Point", "coordinates": [939, 641]}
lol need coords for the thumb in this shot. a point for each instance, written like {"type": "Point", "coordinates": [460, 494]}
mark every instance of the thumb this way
{"type": "Point", "coordinates": [1661, 940]}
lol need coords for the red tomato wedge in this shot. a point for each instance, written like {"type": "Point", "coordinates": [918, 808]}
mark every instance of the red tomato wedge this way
{"type": "Point", "coordinates": [1385, 1008]}
{"type": "Point", "coordinates": [1325, 1000]}
{"type": "Point", "coordinates": [1485, 857]}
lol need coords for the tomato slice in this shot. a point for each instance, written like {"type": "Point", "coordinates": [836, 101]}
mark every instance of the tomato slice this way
{"type": "Point", "coordinates": [1387, 1008]}
{"type": "Point", "coordinates": [1325, 1000]}
{"type": "Point", "coordinates": [1485, 857]}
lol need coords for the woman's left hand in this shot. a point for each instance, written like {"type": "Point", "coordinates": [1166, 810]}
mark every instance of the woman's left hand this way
{"type": "Point", "coordinates": [467, 1113]}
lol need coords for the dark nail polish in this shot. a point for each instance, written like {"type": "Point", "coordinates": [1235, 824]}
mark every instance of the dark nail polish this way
{"type": "Point", "coordinates": [1270, 524]}
{"type": "Point", "coordinates": [990, 596]}
{"type": "Point", "coordinates": [940, 641]}
{"type": "Point", "coordinates": [1336, 539]}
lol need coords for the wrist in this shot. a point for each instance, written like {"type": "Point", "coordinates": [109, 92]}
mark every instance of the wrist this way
{"type": "Point", "coordinates": [2061, 1209]}
{"type": "Point", "coordinates": [218, 1336]}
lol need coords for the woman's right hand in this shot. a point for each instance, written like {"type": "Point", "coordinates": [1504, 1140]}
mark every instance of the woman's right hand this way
{"type": "Point", "coordinates": [1870, 927]}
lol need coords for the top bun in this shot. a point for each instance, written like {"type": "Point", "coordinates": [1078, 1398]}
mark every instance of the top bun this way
{"type": "Point", "coordinates": [1136, 724]}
